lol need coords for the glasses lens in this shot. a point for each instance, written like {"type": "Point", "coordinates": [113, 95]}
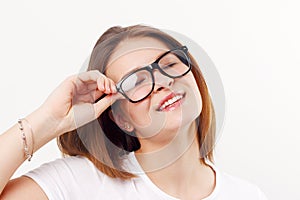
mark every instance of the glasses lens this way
{"type": "Point", "coordinates": [137, 85]}
{"type": "Point", "coordinates": [175, 63]}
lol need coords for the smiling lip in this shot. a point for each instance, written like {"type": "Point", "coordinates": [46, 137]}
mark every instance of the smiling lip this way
{"type": "Point", "coordinates": [170, 102]}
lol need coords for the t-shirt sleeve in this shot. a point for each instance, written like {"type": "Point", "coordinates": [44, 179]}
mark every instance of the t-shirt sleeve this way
{"type": "Point", "coordinates": [65, 178]}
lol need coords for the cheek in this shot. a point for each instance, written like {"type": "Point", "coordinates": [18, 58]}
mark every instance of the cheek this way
{"type": "Point", "coordinates": [195, 101]}
{"type": "Point", "coordinates": [138, 113]}
{"type": "Point", "coordinates": [146, 122]}
{"type": "Point", "coordinates": [196, 91]}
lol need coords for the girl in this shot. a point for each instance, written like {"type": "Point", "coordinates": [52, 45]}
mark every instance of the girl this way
{"type": "Point", "coordinates": [139, 124]}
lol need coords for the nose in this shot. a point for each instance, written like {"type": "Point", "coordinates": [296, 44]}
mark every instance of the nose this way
{"type": "Point", "coordinates": [161, 81]}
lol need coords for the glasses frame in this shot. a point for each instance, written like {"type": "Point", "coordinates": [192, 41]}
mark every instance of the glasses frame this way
{"type": "Point", "coordinates": [150, 68]}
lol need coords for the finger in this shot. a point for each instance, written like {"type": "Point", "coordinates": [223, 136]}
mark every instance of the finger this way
{"type": "Point", "coordinates": [104, 103]}
{"type": "Point", "coordinates": [87, 88]}
{"type": "Point", "coordinates": [104, 83]}
{"type": "Point", "coordinates": [84, 78]}
{"type": "Point", "coordinates": [92, 75]}
{"type": "Point", "coordinates": [112, 86]}
{"type": "Point", "coordinates": [100, 83]}
{"type": "Point", "coordinates": [92, 86]}
{"type": "Point", "coordinates": [90, 97]}
{"type": "Point", "coordinates": [107, 87]}
{"type": "Point", "coordinates": [85, 112]}
{"type": "Point", "coordinates": [82, 114]}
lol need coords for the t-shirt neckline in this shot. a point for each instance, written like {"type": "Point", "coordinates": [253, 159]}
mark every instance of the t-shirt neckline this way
{"type": "Point", "coordinates": [140, 173]}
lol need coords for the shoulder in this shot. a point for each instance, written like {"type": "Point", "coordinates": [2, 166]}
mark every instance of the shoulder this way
{"type": "Point", "coordinates": [233, 182]}
{"type": "Point", "coordinates": [73, 163]}
{"type": "Point", "coordinates": [67, 166]}
{"type": "Point", "coordinates": [77, 177]}
{"type": "Point", "coordinates": [240, 188]}
{"type": "Point", "coordinates": [65, 178]}
{"type": "Point", "coordinates": [232, 187]}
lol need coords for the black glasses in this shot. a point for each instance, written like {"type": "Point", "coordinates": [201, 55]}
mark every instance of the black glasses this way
{"type": "Point", "coordinates": [140, 83]}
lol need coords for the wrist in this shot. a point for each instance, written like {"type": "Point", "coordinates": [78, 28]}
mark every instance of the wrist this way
{"type": "Point", "coordinates": [44, 128]}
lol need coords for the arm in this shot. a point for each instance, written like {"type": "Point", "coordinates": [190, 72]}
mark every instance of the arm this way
{"type": "Point", "coordinates": [23, 188]}
{"type": "Point", "coordinates": [12, 154]}
{"type": "Point", "coordinates": [69, 106]}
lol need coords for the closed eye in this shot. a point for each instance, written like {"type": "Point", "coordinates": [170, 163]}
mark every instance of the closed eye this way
{"type": "Point", "coordinates": [169, 65]}
{"type": "Point", "coordinates": [140, 81]}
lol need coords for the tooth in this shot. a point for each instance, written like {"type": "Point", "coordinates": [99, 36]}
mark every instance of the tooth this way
{"type": "Point", "coordinates": [170, 101]}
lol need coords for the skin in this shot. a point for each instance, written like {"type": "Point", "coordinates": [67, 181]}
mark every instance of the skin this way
{"type": "Point", "coordinates": [77, 93]}
{"type": "Point", "coordinates": [167, 138]}
{"type": "Point", "coordinates": [156, 128]}
{"type": "Point", "coordinates": [160, 133]}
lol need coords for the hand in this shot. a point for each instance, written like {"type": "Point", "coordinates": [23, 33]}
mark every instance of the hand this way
{"type": "Point", "coordinates": [71, 104]}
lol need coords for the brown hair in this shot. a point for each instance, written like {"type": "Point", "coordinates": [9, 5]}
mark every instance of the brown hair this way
{"type": "Point", "coordinates": [100, 142]}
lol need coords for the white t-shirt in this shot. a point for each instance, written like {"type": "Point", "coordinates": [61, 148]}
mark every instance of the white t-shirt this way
{"type": "Point", "coordinates": [77, 178]}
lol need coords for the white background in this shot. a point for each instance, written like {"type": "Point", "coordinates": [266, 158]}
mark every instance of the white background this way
{"type": "Point", "coordinates": [254, 44]}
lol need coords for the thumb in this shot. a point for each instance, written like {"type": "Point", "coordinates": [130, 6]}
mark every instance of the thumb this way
{"type": "Point", "coordinates": [105, 102]}
{"type": "Point", "coordinates": [86, 112]}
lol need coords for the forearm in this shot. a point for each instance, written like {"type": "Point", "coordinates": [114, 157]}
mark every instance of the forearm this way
{"type": "Point", "coordinates": [55, 117]}
{"type": "Point", "coordinates": [12, 147]}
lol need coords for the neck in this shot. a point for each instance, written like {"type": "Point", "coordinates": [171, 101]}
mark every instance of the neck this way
{"type": "Point", "coordinates": [177, 169]}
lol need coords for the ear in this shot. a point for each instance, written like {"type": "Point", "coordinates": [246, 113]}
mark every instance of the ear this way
{"type": "Point", "coordinates": [121, 121]}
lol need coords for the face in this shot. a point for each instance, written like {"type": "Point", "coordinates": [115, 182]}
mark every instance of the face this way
{"type": "Point", "coordinates": [174, 103]}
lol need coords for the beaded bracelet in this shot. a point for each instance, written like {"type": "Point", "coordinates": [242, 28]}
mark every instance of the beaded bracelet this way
{"type": "Point", "coordinates": [26, 151]}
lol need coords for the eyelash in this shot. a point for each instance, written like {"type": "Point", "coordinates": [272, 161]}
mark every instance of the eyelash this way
{"type": "Point", "coordinates": [169, 65]}
{"type": "Point", "coordinates": [137, 83]}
